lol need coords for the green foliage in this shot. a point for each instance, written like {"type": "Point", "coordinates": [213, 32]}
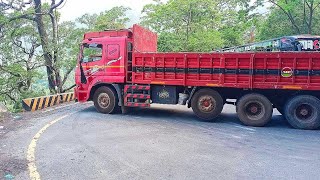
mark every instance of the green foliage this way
{"type": "Point", "coordinates": [290, 18]}
{"type": "Point", "coordinates": [115, 18]}
{"type": "Point", "coordinates": [296, 16]}
{"type": "Point", "coordinates": [168, 41]}
{"type": "Point", "coordinates": [19, 61]}
{"type": "Point", "coordinates": [70, 37]}
{"type": "Point", "coordinates": [196, 25]}
{"type": "Point", "coordinates": [205, 41]}
{"type": "Point", "coordinates": [276, 25]}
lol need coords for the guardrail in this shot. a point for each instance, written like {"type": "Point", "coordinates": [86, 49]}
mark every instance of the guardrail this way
{"type": "Point", "coordinates": [37, 103]}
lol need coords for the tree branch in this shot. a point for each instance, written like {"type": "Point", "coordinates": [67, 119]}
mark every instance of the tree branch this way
{"type": "Point", "coordinates": [24, 16]}
{"type": "Point", "coordinates": [308, 4]}
{"type": "Point", "coordinates": [288, 14]}
{"type": "Point", "coordinates": [11, 73]}
{"type": "Point", "coordinates": [19, 43]}
{"type": "Point", "coordinates": [11, 5]}
{"type": "Point", "coordinates": [65, 77]}
{"type": "Point", "coordinates": [10, 97]}
{"type": "Point", "coordinates": [69, 88]}
{"type": "Point", "coordinates": [304, 13]}
{"type": "Point", "coordinates": [315, 7]}
{"type": "Point", "coordinates": [53, 5]}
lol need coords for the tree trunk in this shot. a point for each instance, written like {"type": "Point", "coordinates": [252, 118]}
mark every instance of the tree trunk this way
{"type": "Point", "coordinates": [55, 49]}
{"type": "Point", "coordinates": [45, 47]}
{"type": "Point", "coordinates": [188, 27]}
{"type": "Point", "coordinates": [310, 19]}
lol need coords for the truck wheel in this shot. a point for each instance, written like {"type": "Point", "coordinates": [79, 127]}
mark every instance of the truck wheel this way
{"type": "Point", "coordinates": [254, 110]}
{"type": "Point", "coordinates": [207, 104]}
{"type": "Point", "coordinates": [303, 112]}
{"type": "Point", "coordinates": [105, 100]}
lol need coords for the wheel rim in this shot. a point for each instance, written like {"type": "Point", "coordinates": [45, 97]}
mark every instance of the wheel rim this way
{"type": "Point", "coordinates": [103, 100]}
{"type": "Point", "coordinates": [254, 110]}
{"type": "Point", "coordinates": [206, 104]}
{"type": "Point", "coordinates": [304, 112]}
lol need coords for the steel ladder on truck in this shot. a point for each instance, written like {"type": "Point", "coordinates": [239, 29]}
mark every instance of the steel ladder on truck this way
{"type": "Point", "coordinates": [135, 95]}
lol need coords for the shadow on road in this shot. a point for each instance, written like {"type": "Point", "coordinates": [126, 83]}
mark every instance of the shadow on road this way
{"type": "Point", "coordinates": [171, 113]}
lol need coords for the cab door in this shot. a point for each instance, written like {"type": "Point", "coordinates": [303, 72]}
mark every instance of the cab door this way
{"type": "Point", "coordinates": [114, 64]}
{"type": "Point", "coordinates": [113, 59]}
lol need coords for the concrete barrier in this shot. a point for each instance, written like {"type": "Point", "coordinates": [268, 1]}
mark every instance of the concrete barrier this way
{"type": "Point", "coordinates": [67, 97]}
{"type": "Point", "coordinates": [37, 103]}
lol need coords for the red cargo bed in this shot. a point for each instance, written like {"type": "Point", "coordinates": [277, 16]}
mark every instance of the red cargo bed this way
{"type": "Point", "coordinates": [276, 70]}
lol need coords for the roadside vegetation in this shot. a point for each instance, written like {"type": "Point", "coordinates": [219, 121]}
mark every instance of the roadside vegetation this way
{"type": "Point", "coordinates": [38, 51]}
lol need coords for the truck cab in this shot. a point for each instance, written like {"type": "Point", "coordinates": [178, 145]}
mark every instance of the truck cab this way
{"type": "Point", "coordinates": [106, 58]}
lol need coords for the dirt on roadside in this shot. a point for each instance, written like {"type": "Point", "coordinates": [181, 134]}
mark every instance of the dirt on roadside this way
{"type": "Point", "coordinates": [6, 120]}
{"type": "Point", "coordinates": [12, 121]}
{"type": "Point", "coordinates": [11, 166]}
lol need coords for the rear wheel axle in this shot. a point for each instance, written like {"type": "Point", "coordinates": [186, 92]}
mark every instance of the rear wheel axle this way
{"type": "Point", "coordinates": [254, 110]}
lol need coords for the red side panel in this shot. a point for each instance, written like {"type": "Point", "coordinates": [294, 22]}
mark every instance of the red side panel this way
{"type": "Point", "coordinates": [144, 40]}
{"type": "Point", "coordinates": [238, 70]}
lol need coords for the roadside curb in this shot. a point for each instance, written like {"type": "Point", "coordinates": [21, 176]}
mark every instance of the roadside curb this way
{"type": "Point", "coordinates": [37, 103]}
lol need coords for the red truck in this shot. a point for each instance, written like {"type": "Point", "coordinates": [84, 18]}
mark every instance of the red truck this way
{"type": "Point", "coordinates": [122, 68]}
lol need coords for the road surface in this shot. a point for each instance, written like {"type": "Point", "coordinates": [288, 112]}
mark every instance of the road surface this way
{"type": "Point", "coordinates": [164, 142]}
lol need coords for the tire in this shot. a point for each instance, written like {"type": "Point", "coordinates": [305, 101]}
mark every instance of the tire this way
{"type": "Point", "coordinates": [254, 110]}
{"type": "Point", "coordinates": [207, 104]}
{"type": "Point", "coordinates": [105, 100]}
{"type": "Point", "coordinates": [303, 112]}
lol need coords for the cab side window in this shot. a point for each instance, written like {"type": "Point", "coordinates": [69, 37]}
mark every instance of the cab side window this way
{"type": "Point", "coordinates": [91, 52]}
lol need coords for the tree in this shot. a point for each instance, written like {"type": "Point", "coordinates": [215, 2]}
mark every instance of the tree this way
{"type": "Point", "coordinates": [32, 47]}
{"type": "Point", "coordinates": [50, 54]}
{"type": "Point", "coordinates": [115, 18]}
{"type": "Point", "coordinates": [277, 23]}
{"type": "Point", "coordinates": [20, 59]}
{"type": "Point", "coordinates": [194, 25]}
{"type": "Point", "coordinates": [68, 46]}
{"type": "Point", "coordinates": [36, 11]}
{"type": "Point", "coordinates": [274, 25]}
{"type": "Point", "coordinates": [300, 13]}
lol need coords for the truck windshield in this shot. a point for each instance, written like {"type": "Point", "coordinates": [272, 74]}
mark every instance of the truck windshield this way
{"type": "Point", "coordinates": [91, 52]}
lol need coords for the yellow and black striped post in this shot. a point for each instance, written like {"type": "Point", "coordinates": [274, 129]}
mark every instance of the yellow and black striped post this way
{"type": "Point", "coordinates": [33, 104]}
{"type": "Point", "coordinates": [67, 97]}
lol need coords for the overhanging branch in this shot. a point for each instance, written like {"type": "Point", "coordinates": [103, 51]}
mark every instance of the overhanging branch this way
{"type": "Point", "coordinates": [69, 88]}
{"type": "Point", "coordinates": [53, 5]}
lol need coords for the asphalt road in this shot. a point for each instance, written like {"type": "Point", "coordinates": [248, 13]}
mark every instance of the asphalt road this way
{"type": "Point", "coordinates": [163, 142]}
